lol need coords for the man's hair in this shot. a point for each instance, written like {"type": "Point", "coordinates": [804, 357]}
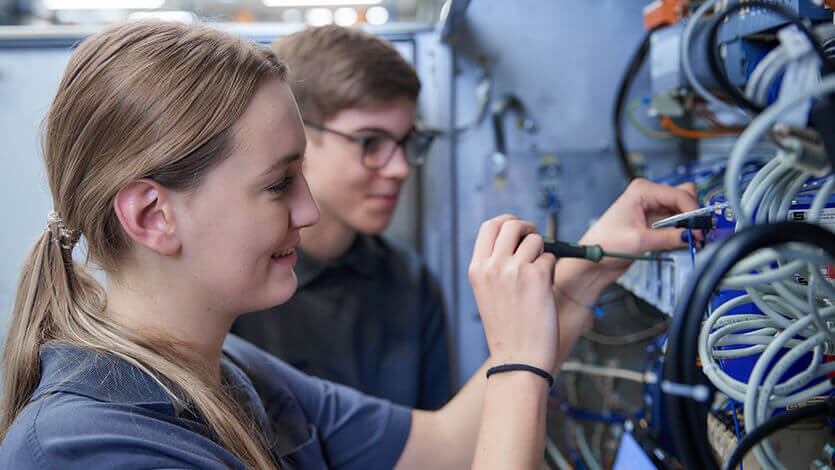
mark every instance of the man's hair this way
{"type": "Point", "coordinates": [333, 68]}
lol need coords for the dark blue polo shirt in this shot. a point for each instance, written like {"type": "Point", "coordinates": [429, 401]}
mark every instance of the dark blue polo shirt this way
{"type": "Point", "coordinates": [95, 410]}
{"type": "Point", "coordinates": [373, 320]}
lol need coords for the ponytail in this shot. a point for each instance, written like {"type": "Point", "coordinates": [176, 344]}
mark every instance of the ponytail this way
{"type": "Point", "coordinates": [50, 286]}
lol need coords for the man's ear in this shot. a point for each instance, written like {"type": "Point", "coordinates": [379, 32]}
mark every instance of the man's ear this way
{"type": "Point", "coordinates": [147, 215]}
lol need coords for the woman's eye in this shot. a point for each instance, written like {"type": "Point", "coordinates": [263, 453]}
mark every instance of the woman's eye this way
{"type": "Point", "coordinates": [282, 185]}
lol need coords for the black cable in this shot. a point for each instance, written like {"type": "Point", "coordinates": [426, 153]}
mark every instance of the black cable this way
{"type": "Point", "coordinates": [623, 91]}
{"type": "Point", "coordinates": [781, 421]}
{"type": "Point", "coordinates": [718, 67]}
{"type": "Point", "coordinates": [689, 427]}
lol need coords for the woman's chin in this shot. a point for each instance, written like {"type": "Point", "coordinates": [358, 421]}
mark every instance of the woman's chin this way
{"type": "Point", "coordinates": [284, 291]}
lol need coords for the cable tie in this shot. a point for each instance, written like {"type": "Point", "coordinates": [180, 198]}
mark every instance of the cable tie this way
{"type": "Point", "coordinates": [694, 392]}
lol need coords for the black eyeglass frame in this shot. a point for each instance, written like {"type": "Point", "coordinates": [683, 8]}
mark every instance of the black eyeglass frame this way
{"type": "Point", "coordinates": [415, 144]}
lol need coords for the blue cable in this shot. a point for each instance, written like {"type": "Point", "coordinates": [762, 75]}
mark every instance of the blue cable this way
{"type": "Point", "coordinates": [584, 415]}
{"type": "Point", "coordinates": [692, 247]}
{"type": "Point", "coordinates": [736, 425]}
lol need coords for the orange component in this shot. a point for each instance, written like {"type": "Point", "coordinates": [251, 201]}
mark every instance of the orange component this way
{"type": "Point", "coordinates": [829, 3]}
{"type": "Point", "coordinates": [665, 13]}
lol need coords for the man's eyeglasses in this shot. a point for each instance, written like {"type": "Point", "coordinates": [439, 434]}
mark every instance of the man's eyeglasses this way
{"type": "Point", "coordinates": [378, 149]}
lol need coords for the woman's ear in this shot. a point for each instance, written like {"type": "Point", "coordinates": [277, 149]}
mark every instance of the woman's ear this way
{"type": "Point", "coordinates": [147, 214]}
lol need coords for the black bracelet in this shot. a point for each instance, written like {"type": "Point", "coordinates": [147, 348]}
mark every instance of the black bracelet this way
{"type": "Point", "coordinates": [536, 370]}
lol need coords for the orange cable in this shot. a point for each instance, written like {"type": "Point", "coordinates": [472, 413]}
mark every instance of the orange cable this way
{"type": "Point", "coordinates": [668, 124]}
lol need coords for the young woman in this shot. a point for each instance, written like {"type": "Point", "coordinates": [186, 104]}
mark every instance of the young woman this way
{"type": "Point", "coordinates": [175, 151]}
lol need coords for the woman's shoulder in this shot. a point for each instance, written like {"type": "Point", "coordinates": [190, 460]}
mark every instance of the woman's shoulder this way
{"type": "Point", "coordinates": [67, 430]}
{"type": "Point", "coordinates": [92, 407]}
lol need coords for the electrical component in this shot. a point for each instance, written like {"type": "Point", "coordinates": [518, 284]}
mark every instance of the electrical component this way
{"type": "Point", "coordinates": [664, 13]}
{"type": "Point", "coordinates": [802, 148]}
{"type": "Point", "coordinates": [721, 436]}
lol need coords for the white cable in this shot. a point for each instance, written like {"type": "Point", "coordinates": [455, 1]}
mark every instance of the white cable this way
{"type": "Point", "coordinates": [765, 257]}
{"type": "Point", "coordinates": [816, 390]}
{"type": "Point", "coordinates": [756, 260]}
{"type": "Point", "coordinates": [752, 339]}
{"type": "Point", "coordinates": [794, 302]}
{"type": "Point", "coordinates": [631, 375]}
{"type": "Point", "coordinates": [741, 318]}
{"type": "Point", "coordinates": [707, 340]}
{"type": "Point", "coordinates": [764, 394]}
{"type": "Point", "coordinates": [556, 455]}
{"type": "Point", "coordinates": [737, 353]}
{"type": "Point", "coordinates": [764, 65]}
{"type": "Point", "coordinates": [733, 329]}
{"type": "Point", "coordinates": [759, 191]}
{"type": "Point", "coordinates": [764, 277]}
{"type": "Point", "coordinates": [759, 176]}
{"type": "Point", "coordinates": [813, 308]}
{"type": "Point", "coordinates": [759, 126]}
{"type": "Point", "coordinates": [767, 168]}
{"type": "Point", "coordinates": [781, 318]}
{"type": "Point", "coordinates": [788, 198]}
{"type": "Point", "coordinates": [783, 365]}
{"type": "Point", "coordinates": [759, 370]}
{"type": "Point", "coordinates": [583, 447]}
{"type": "Point", "coordinates": [726, 384]}
{"type": "Point", "coordinates": [775, 197]}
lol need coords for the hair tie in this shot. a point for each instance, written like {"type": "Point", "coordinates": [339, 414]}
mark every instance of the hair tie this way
{"type": "Point", "coordinates": [66, 237]}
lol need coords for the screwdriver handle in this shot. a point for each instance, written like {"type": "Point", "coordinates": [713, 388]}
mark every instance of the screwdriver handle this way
{"type": "Point", "coordinates": [571, 250]}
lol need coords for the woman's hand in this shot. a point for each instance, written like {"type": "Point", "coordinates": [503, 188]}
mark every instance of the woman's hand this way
{"type": "Point", "coordinates": [625, 226]}
{"type": "Point", "coordinates": [512, 282]}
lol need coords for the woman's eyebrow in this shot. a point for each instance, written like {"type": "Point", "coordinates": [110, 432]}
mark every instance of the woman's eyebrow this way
{"type": "Point", "coordinates": [282, 163]}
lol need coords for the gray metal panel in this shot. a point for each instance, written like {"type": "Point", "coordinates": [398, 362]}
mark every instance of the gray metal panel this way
{"type": "Point", "coordinates": [439, 175]}
{"type": "Point", "coordinates": [564, 60]}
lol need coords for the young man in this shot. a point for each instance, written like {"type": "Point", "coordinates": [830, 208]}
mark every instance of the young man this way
{"type": "Point", "coordinates": [367, 313]}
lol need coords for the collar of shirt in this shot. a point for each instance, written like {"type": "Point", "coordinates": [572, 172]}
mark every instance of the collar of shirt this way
{"type": "Point", "coordinates": [365, 257]}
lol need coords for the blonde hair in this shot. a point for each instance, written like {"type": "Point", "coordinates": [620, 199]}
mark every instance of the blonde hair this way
{"type": "Point", "coordinates": [140, 100]}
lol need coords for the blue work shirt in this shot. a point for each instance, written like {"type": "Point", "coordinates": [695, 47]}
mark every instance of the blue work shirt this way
{"type": "Point", "coordinates": [95, 410]}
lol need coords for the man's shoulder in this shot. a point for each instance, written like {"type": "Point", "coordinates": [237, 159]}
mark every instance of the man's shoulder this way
{"type": "Point", "coordinates": [398, 255]}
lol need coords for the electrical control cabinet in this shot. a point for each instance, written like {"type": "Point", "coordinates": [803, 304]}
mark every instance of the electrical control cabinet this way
{"type": "Point", "coordinates": [743, 40]}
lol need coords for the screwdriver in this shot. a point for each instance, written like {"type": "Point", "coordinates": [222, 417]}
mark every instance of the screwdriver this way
{"type": "Point", "coordinates": [591, 252]}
